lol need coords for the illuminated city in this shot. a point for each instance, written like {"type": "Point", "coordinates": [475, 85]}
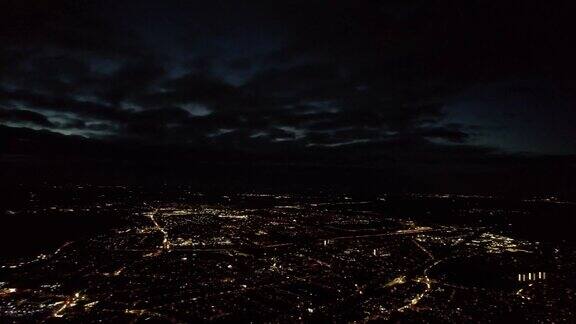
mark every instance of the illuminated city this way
{"type": "Point", "coordinates": [288, 258]}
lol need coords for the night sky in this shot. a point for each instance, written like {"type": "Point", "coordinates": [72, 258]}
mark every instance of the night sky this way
{"type": "Point", "coordinates": [410, 87]}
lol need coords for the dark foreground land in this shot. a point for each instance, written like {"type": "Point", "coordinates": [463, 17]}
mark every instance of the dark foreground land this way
{"type": "Point", "coordinates": [86, 253]}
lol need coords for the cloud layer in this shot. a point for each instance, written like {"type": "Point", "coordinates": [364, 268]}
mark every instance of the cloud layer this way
{"type": "Point", "coordinates": [322, 82]}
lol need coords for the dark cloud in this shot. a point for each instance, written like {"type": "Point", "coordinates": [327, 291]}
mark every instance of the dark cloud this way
{"type": "Point", "coordinates": [193, 88]}
{"type": "Point", "coordinates": [64, 104]}
{"type": "Point", "coordinates": [131, 80]}
{"type": "Point", "coordinates": [25, 117]}
{"type": "Point", "coordinates": [450, 134]}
